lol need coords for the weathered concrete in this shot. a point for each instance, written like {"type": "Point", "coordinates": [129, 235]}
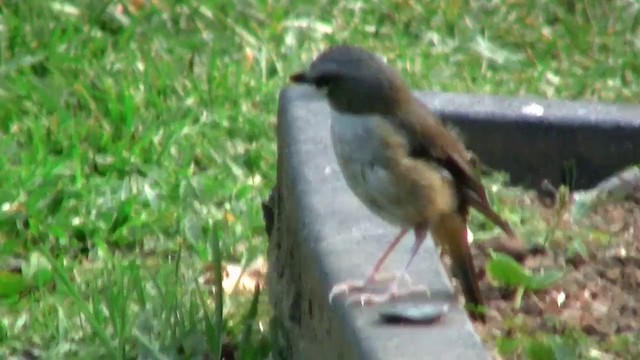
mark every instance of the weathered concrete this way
{"type": "Point", "coordinates": [321, 234]}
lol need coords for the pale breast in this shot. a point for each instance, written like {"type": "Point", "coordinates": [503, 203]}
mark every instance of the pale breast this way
{"type": "Point", "coordinates": [358, 150]}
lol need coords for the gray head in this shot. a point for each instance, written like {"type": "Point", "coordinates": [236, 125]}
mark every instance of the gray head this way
{"type": "Point", "coordinates": [355, 80]}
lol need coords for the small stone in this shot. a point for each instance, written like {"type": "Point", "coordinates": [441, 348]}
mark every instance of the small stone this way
{"type": "Point", "coordinates": [572, 316]}
{"type": "Point", "coordinates": [600, 307]}
{"type": "Point", "coordinates": [413, 313]}
{"type": "Point", "coordinates": [613, 274]}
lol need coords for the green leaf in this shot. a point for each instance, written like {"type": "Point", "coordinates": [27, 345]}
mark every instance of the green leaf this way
{"type": "Point", "coordinates": [9, 246]}
{"type": "Point", "coordinates": [544, 280]}
{"type": "Point", "coordinates": [11, 284]}
{"type": "Point", "coordinates": [577, 246]}
{"type": "Point", "coordinates": [507, 271]}
{"type": "Point", "coordinates": [507, 346]}
{"type": "Point", "coordinates": [123, 215]}
{"type": "Point", "coordinates": [247, 343]}
{"type": "Point", "coordinates": [4, 333]}
{"type": "Point", "coordinates": [540, 350]}
{"type": "Point", "coordinates": [192, 229]}
{"type": "Point", "coordinates": [41, 278]}
{"type": "Point", "coordinates": [563, 348]}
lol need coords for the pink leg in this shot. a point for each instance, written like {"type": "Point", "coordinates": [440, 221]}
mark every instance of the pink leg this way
{"type": "Point", "coordinates": [386, 254]}
{"type": "Point", "coordinates": [345, 287]}
{"type": "Point", "coordinates": [392, 290]}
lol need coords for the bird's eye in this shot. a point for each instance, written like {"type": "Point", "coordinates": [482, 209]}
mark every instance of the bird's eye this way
{"type": "Point", "coordinates": [323, 81]}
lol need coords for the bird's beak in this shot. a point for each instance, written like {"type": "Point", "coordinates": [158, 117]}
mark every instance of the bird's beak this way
{"type": "Point", "coordinates": [301, 78]}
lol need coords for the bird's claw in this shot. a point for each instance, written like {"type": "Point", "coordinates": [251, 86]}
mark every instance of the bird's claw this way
{"type": "Point", "coordinates": [365, 297]}
{"type": "Point", "coordinates": [369, 298]}
{"type": "Point", "coordinates": [346, 287]}
{"type": "Point", "coordinates": [350, 286]}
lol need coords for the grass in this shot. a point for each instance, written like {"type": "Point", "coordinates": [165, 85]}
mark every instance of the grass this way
{"type": "Point", "coordinates": [138, 145]}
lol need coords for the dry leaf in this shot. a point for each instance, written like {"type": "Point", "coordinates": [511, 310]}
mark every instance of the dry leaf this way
{"type": "Point", "coordinates": [234, 279]}
{"type": "Point", "coordinates": [249, 58]}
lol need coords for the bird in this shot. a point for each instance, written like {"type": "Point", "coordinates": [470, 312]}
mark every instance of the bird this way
{"type": "Point", "coordinates": [402, 162]}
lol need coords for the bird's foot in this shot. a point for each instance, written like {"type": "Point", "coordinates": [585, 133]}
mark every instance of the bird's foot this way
{"type": "Point", "coordinates": [392, 292]}
{"type": "Point", "coordinates": [359, 286]}
{"type": "Point", "coordinates": [359, 292]}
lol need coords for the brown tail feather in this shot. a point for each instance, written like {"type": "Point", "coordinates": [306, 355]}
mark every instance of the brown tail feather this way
{"type": "Point", "coordinates": [451, 232]}
{"type": "Point", "coordinates": [486, 210]}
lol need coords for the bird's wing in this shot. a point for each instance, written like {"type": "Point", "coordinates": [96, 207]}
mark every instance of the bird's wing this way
{"type": "Point", "coordinates": [432, 141]}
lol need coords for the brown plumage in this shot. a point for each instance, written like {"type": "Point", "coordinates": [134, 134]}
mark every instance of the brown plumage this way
{"type": "Point", "coordinates": [400, 160]}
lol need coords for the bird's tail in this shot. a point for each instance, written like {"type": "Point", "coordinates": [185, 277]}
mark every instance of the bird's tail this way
{"type": "Point", "coordinates": [451, 233]}
{"type": "Point", "coordinates": [483, 207]}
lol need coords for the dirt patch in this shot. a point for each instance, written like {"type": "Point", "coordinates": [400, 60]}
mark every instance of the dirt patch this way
{"type": "Point", "coordinates": [599, 296]}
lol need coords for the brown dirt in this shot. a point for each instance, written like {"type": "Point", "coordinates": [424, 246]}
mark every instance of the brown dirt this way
{"type": "Point", "coordinates": [600, 293]}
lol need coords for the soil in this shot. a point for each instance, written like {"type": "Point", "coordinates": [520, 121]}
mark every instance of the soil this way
{"type": "Point", "coordinates": [599, 296]}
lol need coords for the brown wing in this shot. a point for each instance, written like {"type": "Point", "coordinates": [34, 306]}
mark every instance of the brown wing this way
{"type": "Point", "coordinates": [432, 141]}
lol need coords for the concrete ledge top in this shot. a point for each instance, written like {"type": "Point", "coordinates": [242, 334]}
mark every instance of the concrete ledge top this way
{"type": "Point", "coordinates": [562, 113]}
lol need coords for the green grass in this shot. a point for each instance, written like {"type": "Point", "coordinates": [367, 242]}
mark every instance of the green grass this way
{"type": "Point", "coordinates": [135, 146]}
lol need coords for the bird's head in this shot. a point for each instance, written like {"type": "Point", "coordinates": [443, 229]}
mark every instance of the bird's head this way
{"type": "Point", "coordinates": [355, 81]}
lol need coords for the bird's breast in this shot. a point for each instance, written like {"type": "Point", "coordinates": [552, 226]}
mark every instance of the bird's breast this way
{"type": "Point", "coordinates": [355, 138]}
{"type": "Point", "coordinates": [360, 149]}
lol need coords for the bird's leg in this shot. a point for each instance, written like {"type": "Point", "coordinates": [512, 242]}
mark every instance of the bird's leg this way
{"type": "Point", "coordinates": [374, 273]}
{"type": "Point", "coordinates": [345, 287]}
{"type": "Point", "coordinates": [393, 290]}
